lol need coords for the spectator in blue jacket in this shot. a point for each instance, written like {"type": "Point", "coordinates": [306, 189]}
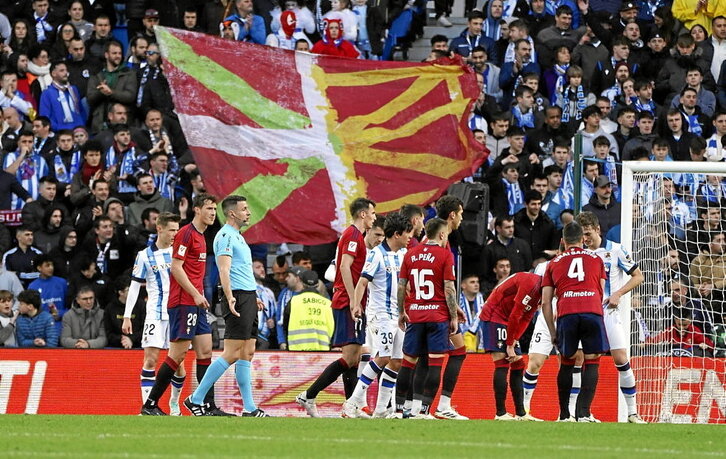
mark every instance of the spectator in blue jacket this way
{"type": "Point", "coordinates": [473, 37]}
{"type": "Point", "coordinates": [52, 290]}
{"type": "Point", "coordinates": [61, 101]}
{"type": "Point", "coordinates": [34, 328]}
{"type": "Point", "coordinates": [511, 73]}
{"type": "Point", "coordinates": [251, 26]}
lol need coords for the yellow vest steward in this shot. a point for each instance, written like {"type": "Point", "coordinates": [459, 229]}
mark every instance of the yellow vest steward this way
{"type": "Point", "coordinates": [311, 323]}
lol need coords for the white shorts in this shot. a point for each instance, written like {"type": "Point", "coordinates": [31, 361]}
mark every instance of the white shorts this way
{"type": "Point", "coordinates": [541, 342]}
{"type": "Point", "coordinates": [614, 328]}
{"type": "Point", "coordinates": [156, 334]}
{"type": "Point", "coordinates": [386, 337]}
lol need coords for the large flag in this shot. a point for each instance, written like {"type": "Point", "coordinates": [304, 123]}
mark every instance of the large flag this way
{"type": "Point", "coordinates": [302, 135]}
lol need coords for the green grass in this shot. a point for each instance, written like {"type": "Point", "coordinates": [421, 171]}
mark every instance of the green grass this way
{"type": "Point", "coordinates": [184, 437]}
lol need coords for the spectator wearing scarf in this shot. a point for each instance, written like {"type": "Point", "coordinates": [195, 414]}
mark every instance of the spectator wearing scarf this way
{"type": "Point", "coordinates": [29, 171]}
{"type": "Point", "coordinates": [61, 101]}
{"type": "Point", "coordinates": [129, 160]}
{"type": "Point", "coordinates": [573, 99]}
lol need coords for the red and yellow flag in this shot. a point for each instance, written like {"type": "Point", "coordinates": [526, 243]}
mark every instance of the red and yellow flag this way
{"type": "Point", "coordinates": [302, 135]}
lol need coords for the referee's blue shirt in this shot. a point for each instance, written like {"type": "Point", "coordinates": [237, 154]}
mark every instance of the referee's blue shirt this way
{"type": "Point", "coordinates": [229, 242]}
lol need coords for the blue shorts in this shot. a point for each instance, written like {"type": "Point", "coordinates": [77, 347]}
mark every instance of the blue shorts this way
{"type": "Point", "coordinates": [588, 328]}
{"type": "Point", "coordinates": [345, 329]}
{"type": "Point", "coordinates": [494, 338]}
{"type": "Point", "coordinates": [186, 322]}
{"type": "Point", "coordinates": [426, 338]}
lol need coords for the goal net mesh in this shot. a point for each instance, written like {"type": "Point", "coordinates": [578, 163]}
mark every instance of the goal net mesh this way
{"type": "Point", "coordinates": [676, 313]}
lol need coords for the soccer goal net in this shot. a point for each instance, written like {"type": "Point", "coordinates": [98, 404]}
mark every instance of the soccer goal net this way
{"type": "Point", "coordinates": [673, 224]}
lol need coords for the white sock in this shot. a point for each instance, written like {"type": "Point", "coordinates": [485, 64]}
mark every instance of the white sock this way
{"type": "Point", "coordinates": [575, 391]}
{"type": "Point", "coordinates": [529, 382]}
{"type": "Point", "coordinates": [368, 375]}
{"type": "Point", "coordinates": [416, 406]}
{"type": "Point", "coordinates": [363, 363]}
{"type": "Point", "coordinates": [177, 384]}
{"type": "Point", "coordinates": [407, 405]}
{"type": "Point", "coordinates": [627, 387]}
{"type": "Point", "coordinates": [385, 390]}
{"type": "Point", "coordinates": [444, 403]}
{"type": "Point", "coordinates": [148, 378]}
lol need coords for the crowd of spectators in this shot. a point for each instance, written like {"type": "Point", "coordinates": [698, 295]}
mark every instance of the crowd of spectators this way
{"type": "Point", "coordinates": [93, 150]}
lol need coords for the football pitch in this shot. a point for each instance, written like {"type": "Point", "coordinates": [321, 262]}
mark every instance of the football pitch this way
{"type": "Point", "coordinates": [186, 437]}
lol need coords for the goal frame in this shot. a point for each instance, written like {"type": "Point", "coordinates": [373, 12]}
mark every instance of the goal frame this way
{"type": "Point", "coordinates": [626, 223]}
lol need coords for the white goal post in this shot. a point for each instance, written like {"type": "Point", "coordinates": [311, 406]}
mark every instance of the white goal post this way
{"type": "Point", "coordinates": [672, 388]}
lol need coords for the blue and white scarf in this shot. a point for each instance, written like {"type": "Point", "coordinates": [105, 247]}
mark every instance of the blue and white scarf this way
{"type": "Point", "coordinates": [130, 164]}
{"type": "Point", "coordinates": [580, 105]}
{"type": "Point", "coordinates": [561, 82]}
{"type": "Point", "coordinates": [62, 173]}
{"type": "Point", "coordinates": [640, 106]}
{"type": "Point", "coordinates": [41, 27]}
{"type": "Point", "coordinates": [694, 127]}
{"type": "Point", "coordinates": [523, 120]}
{"type": "Point", "coordinates": [472, 317]}
{"type": "Point", "coordinates": [515, 198]}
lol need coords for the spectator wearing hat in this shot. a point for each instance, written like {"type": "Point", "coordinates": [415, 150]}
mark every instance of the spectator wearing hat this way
{"type": "Point", "coordinates": [603, 205]}
{"type": "Point", "coordinates": [308, 318]}
{"type": "Point", "coordinates": [150, 20]}
{"type": "Point", "coordinates": [656, 54]}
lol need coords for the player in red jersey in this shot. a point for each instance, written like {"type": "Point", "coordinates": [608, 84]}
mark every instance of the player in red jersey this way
{"type": "Point", "coordinates": [577, 277]}
{"type": "Point", "coordinates": [349, 322]}
{"type": "Point", "coordinates": [187, 306]}
{"type": "Point", "coordinates": [428, 312]}
{"type": "Point", "coordinates": [415, 215]}
{"type": "Point", "coordinates": [506, 314]}
{"type": "Point", "coordinates": [451, 209]}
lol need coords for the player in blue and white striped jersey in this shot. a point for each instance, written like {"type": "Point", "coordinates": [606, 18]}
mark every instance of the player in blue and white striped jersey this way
{"type": "Point", "coordinates": [380, 277]}
{"type": "Point", "coordinates": [618, 264]}
{"type": "Point", "coordinates": [153, 268]}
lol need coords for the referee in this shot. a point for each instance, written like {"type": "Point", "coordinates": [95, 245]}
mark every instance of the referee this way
{"type": "Point", "coordinates": [239, 308]}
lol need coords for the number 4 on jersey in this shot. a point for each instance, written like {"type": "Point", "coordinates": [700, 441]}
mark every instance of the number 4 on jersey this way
{"type": "Point", "coordinates": [576, 270]}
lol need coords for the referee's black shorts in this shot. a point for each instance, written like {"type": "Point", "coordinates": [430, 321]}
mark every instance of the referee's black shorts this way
{"type": "Point", "coordinates": [245, 326]}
